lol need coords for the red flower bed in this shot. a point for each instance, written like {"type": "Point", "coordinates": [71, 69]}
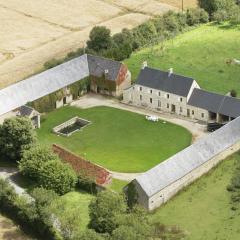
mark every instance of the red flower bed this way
{"type": "Point", "coordinates": [81, 165]}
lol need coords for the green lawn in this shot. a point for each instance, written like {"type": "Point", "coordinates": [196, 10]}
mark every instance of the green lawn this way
{"type": "Point", "coordinates": [117, 185]}
{"type": "Point", "coordinates": [203, 209]}
{"type": "Point", "coordinates": [201, 53]}
{"type": "Point", "coordinates": [118, 140]}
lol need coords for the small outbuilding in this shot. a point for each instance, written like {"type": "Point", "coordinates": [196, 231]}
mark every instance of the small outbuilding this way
{"type": "Point", "coordinates": [32, 114]}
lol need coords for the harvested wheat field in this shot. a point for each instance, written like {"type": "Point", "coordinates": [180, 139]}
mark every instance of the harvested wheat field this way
{"type": "Point", "coordinates": [33, 32]}
{"type": "Point", "coordinates": [9, 231]}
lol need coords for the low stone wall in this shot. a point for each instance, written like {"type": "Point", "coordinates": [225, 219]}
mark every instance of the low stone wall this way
{"type": "Point", "coordinates": [81, 165]}
{"type": "Point", "coordinates": [68, 123]}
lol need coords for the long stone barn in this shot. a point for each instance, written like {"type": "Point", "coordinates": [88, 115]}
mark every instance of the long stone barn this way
{"type": "Point", "coordinates": [105, 76]}
{"type": "Point", "coordinates": [156, 186]}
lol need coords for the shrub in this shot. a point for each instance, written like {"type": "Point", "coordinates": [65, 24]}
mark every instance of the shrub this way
{"type": "Point", "coordinates": [16, 135]}
{"type": "Point", "coordinates": [57, 176]}
{"type": "Point", "coordinates": [103, 211]}
{"type": "Point", "coordinates": [33, 161]}
{"type": "Point", "coordinates": [196, 16]}
{"type": "Point", "coordinates": [52, 63]}
{"type": "Point", "coordinates": [27, 213]}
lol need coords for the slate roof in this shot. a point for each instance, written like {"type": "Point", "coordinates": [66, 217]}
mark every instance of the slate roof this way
{"type": "Point", "coordinates": [56, 78]}
{"type": "Point", "coordinates": [189, 159]}
{"type": "Point", "coordinates": [26, 110]}
{"type": "Point", "coordinates": [42, 84]}
{"type": "Point", "coordinates": [215, 103]}
{"type": "Point", "coordinates": [98, 65]}
{"type": "Point", "coordinates": [160, 80]}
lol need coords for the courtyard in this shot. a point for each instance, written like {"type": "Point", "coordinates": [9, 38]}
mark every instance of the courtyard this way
{"type": "Point", "coordinates": [116, 139]}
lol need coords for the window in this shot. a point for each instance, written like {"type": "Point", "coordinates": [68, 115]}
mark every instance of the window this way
{"type": "Point", "coordinates": [140, 88]}
{"type": "Point", "coordinates": [159, 103]}
{"type": "Point", "coordinates": [133, 88]}
{"type": "Point", "coordinates": [192, 112]}
{"type": "Point", "coordinates": [167, 105]}
{"type": "Point", "coordinates": [151, 91]}
{"type": "Point", "coordinates": [167, 95]}
{"type": "Point", "coordinates": [150, 100]}
{"type": "Point", "coordinates": [202, 115]}
{"type": "Point", "coordinates": [140, 97]}
{"type": "Point", "coordinates": [180, 99]}
{"type": "Point", "coordinates": [159, 94]}
{"type": "Point", "coordinates": [180, 109]}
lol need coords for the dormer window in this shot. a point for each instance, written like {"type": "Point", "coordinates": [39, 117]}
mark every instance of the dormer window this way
{"type": "Point", "coordinates": [180, 99]}
{"type": "Point", "coordinates": [168, 96]}
{"type": "Point", "coordinates": [159, 93]}
{"type": "Point", "coordinates": [151, 91]}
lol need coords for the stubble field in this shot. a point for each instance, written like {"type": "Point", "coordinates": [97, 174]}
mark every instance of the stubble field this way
{"type": "Point", "coordinates": [34, 32]}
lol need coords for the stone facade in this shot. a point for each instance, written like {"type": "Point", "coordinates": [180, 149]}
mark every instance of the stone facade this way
{"type": "Point", "coordinates": [139, 95]}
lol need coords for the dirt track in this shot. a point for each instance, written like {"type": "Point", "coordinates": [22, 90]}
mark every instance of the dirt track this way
{"type": "Point", "coordinates": [33, 32]}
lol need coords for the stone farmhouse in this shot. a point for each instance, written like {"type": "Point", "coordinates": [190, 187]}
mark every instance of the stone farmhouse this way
{"type": "Point", "coordinates": [172, 93]}
{"type": "Point", "coordinates": [156, 186]}
{"type": "Point", "coordinates": [105, 76]}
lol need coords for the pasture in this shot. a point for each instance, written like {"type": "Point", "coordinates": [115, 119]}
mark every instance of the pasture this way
{"type": "Point", "coordinates": [203, 209]}
{"type": "Point", "coordinates": [201, 53]}
{"type": "Point", "coordinates": [118, 140]}
{"type": "Point", "coordinates": [34, 32]}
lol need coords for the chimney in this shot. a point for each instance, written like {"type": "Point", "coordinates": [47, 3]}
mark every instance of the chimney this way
{"type": "Point", "coordinates": [170, 72]}
{"type": "Point", "coordinates": [144, 64]}
{"type": "Point", "coordinates": [106, 72]}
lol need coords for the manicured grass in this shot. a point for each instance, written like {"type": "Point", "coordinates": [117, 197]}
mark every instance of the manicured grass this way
{"type": "Point", "coordinates": [201, 53]}
{"type": "Point", "coordinates": [118, 140]}
{"type": "Point", "coordinates": [203, 209]}
{"type": "Point", "coordinates": [117, 185]}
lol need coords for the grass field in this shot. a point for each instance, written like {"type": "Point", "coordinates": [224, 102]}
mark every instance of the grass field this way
{"type": "Point", "coordinates": [201, 53]}
{"type": "Point", "coordinates": [34, 32]}
{"type": "Point", "coordinates": [203, 209]}
{"type": "Point", "coordinates": [118, 140]}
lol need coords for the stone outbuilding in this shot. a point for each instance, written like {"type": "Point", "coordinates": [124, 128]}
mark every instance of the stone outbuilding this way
{"type": "Point", "coordinates": [32, 114]}
{"type": "Point", "coordinates": [156, 186]}
{"type": "Point", "coordinates": [107, 76]}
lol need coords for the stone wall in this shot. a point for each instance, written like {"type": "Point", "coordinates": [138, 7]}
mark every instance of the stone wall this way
{"type": "Point", "coordinates": [81, 165]}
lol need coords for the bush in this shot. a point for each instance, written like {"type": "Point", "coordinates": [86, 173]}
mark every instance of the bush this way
{"type": "Point", "coordinates": [26, 213]}
{"type": "Point", "coordinates": [103, 211]}
{"type": "Point", "coordinates": [16, 135]}
{"type": "Point", "coordinates": [196, 16]}
{"type": "Point", "coordinates": [58, 176]}
{"type": "Point", "coordinates": [87, 183]}
{"type": "Point", "coordinates": [33, 161]}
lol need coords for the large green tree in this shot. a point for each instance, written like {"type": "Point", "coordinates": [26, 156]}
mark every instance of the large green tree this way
{"type": "Point", "coordinates": [99, 39]}
{"type": "Point", "coordinates": [16, 135]}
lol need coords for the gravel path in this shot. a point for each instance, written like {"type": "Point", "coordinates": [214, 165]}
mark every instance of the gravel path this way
{"type": "Point", "coordinates": [93, 100]}
{"type": "Point", "coordinates": [9, 174]}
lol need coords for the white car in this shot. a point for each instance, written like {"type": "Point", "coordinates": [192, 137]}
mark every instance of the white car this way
{"type": "Point", "coordinates": [152, 118]}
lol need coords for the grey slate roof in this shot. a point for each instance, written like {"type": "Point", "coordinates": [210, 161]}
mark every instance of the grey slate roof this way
{"type": "Point", "coordinates": [215, 103]}
{"type": "Point", "coordinates": [157, 79]}
{"type": "Point", "coordinates": [189, 159]}
{"type": "Point", "coordinates": [26, 110]}
{"type": "Point", "coordinates": [54, 79]}
{"type": "Point", "coordinates": [43, 84]}
{"type": "Point", "coordinates": [98, 65]}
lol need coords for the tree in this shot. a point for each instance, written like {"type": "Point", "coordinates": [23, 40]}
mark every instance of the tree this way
{"type": "Point", "coordinates": [57, 176]}
{"type": "Point", "coordinates": [233, 93]}
{"type": "Point", "coordinates": [104, 210]}
{"type": "Point", "coordinates": [126, 233]}
{"type": "Point", "coordinates": [16, 135]}
{"type": "Point", "coordinates": [99, 39]}
{"type": "Point", "coordinates": [33, 160]}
